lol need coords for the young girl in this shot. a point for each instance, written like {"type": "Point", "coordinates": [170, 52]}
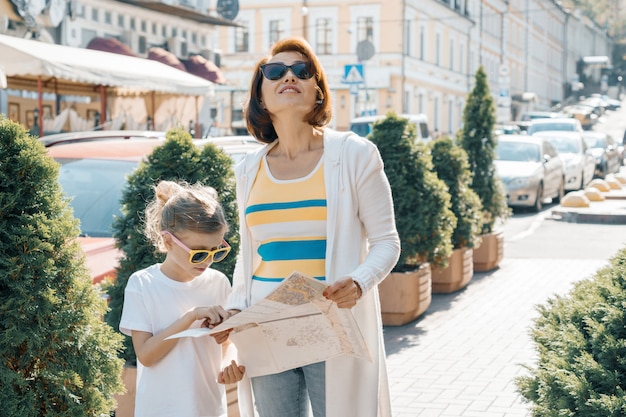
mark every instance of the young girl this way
{"type": "Point", "coordinates": [179, 377]}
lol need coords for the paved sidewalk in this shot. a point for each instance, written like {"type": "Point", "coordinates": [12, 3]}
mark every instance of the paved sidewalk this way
{"type": "Point", "coordinates": [461, 357]}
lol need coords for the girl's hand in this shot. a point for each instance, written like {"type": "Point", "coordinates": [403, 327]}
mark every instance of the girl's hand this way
{"type": "Point", "coordinates": [344, 292]}
{"type": "Point", "coordinates": [212, 316]}
{"type": "Point", "coordinates": [231, 374]}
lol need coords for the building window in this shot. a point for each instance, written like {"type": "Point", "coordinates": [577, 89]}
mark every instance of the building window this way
{"type": "Point", "coordinates": [407, 37]}
{"type": "Point", "coordinates": [242, 39]}
{"type": "Point", "coordinates": [276, 31]}
{"type": "Point", "coordinates": [164, 31]}
{"type": "Point", "coordinates": [120, 20]}
{"type": "Point", "coordinates": [132, 23]}
{"type": "Point", "coordinates": [437, 49]}
{"type": "Point", "coordinates": [365, 28]}
{"type": "Point", "coordinates": [451, 55]}
{"type": "Point", "coordinates": [323, 36]}
{"type": "Point", "coordinates": [144, 26]}
{"type": "Point", "coordinates": [154, 29]}
{"type": "Point", "coordinates": [422, 43]}
{"type": "Point", "coordinates": [108, 18]}
{"type": "Point", "coordinates": [95, 14]}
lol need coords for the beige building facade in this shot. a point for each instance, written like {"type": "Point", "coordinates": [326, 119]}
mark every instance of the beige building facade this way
{"type": "Point", "coordinates": [420, 56]}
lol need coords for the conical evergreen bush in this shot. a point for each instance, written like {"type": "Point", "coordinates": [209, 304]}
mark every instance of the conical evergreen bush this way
{"type": "Point", "coordinates": [451, 165]}
{"type": "Point", "coordinates": [478, 139]}
{"type": "Point", "coordinates": [421, 201]}
{"type": "Point", "coordinates": [581, 349]}
{"type": "Point", "coordinates": [177, 159]}
{"type": "Point", "coordinates": [58, 357]}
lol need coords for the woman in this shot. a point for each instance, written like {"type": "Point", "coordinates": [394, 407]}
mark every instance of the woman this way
{"type": "Point", "coordinates": [316, 201]}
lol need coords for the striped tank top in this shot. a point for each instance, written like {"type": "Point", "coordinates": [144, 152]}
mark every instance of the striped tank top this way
{"type": "Point", "coordinates": [287, 219]}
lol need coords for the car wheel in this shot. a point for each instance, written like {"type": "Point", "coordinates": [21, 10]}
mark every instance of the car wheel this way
{"type": "Point", "coordinates": [561, 192]}
{"type": "Point", "coordinates": [539, 201]}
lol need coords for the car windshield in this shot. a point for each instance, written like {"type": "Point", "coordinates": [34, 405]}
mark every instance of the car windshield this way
{"type": "Point", "coordinates": [95, 186]}
{"type": "Point", "coordinates": [595, 142]}
{"type": "Point", "coordinates": [518, 151]}
{"type": "Point", "coordinates": [540, 127]}
{"type": "Point", "coordinates": [361, 128]}
{"type": "Point", "coordinates": [565, 145]}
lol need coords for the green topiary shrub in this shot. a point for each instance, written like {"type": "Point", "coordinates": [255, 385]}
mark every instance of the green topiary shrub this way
{"type": "Point", "coordinates": [178, 159]}
{"type": "Point", "coordinates": [58, 357]}
{"type": "Point", "coordinates": [479, 141]}
{"type": "Point", "coordinates": [581, 344]}
{"type": "Point", "coordinates": [424, 220]}
{"type": "Point", "coordinates": [451, 165]}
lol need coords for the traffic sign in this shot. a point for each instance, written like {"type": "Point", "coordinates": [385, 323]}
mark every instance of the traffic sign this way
{"type": "Point", "coordinates": [353, 74]}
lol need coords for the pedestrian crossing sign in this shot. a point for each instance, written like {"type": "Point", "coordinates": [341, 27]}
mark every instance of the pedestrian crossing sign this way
{"type": "Point", "coordinates": [353, 74]}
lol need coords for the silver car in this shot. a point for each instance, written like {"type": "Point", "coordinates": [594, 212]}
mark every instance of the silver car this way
{"type": "Point", "coordinates": [531, 170]}
{"type": "Point", "coordinates": [579, 162]}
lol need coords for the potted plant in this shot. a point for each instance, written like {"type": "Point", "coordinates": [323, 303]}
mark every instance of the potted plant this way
{"type": "Point", "coordinates": [478, 139]}
{"type": "Point", "coordinates": [451, 165]}
{"type": "Point", "coordinates": [177, 159]}
{"type": "Point", "coordinates": [59, 358]}
{"type": "Point", "coordinates": [423, 218]}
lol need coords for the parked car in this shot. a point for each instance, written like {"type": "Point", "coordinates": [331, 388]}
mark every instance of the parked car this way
{"type": "Point", "coordinates": [570, 124]}
{"type": "Point", "coordinates": [93, 174]}
{"type": "Point", "coordinates": [532, 115]}
{"type": "Point", "coordinates": [605, 151]}
{"type": "Point", "coordinates": [583, 113]}
{"type": "Point", "coordinates": [576, 155]}
{"type": "Point", "coordinates": [362, 126]}
{"type": "Point", "coordinates": [530, 169]}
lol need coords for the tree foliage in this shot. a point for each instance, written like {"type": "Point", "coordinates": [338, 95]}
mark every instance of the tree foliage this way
{"type": "Point", "coordinates": [479, 141]}
{"type": "Point", "coordinates": [581, 345]}
{"type": "Point", "coordinates": [421, 202]}
{"type": "Point", "coordinates": [177, 159]}
{"type": "Point", "coordinates": [451, 165]}
{"type": "Point", "coordinates": [59, 358]}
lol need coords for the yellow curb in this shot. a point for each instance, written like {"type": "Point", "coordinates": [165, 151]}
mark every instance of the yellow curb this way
{"type": "Point", "coordinates": [613, 182]}
{"type": "Point", "coordinates": [620, 177]}
{"type": "Point", "coordinates": [600, 184]}
{"type": "Point", "coordinates": [575, 199]}
{"type": "Point", "coordinates": [593, 194]}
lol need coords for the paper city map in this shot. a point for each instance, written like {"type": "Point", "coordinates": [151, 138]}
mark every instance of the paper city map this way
{"type": "Point", "coordinates": [293, 326]}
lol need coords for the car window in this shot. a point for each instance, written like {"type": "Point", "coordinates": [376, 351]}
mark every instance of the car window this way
{"type": "Point", "coordinates": [565, 145]}
{"type": "Point", "coordinates": [96, 188]}
{"type": "Point", "coordinates": [518, 151]}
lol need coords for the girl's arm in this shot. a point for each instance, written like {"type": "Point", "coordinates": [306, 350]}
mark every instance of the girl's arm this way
{"type": "Point", "coordinates": [151, 348]}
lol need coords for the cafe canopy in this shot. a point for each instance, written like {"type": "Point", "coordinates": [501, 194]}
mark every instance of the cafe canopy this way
{"type": "Point", "coordinates": [33, 65]}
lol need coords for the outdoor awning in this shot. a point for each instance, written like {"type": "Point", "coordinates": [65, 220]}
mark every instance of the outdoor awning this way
{"type": "Point", "coordinates": [28, 59]}
{"type": "Point", "coordinates": [202, 67]}
{"type": "Point", "coordinates": [110, 45]}
{"type": "Point", "coordinates": [165, 57]}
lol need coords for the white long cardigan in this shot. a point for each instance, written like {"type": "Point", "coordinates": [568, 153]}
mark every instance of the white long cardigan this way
{"type": "Point", "coordinates": [362, 242]}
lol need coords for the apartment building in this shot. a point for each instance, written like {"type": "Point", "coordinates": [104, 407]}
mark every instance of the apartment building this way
{"type": "Point", "coordinates": [420, 56]}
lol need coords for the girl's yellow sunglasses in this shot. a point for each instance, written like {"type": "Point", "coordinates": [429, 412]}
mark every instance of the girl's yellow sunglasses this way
{"type": "Point", "coordinates": [198, 256]}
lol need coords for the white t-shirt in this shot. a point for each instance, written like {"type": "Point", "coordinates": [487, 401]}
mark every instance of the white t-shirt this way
{"type": "Point", "coordinates": [184, 382]}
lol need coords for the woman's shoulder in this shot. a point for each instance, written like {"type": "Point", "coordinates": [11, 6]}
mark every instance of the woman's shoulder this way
{"type": "Point", "coordinates": [349, 140]}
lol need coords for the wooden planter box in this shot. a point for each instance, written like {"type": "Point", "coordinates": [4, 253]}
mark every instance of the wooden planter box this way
{"type": "Point", "coordinates": [126, 402]}
{"type": "Point", "coordinates": [489, 254]}
{"type": "Point", "coordinates": [457, 274]}
{"type": "Point", "coordinates": [404, 296]}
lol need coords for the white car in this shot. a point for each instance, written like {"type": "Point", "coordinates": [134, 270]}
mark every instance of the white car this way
{"type": "Point", "coordinates": [576, 155]}
{"type": "Point", "coordinates": [530, 169]}
{"type": "Point", "coordinates": [567, 123]}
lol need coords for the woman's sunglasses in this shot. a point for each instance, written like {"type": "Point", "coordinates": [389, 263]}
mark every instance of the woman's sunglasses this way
{"type": "Point", "coordinates": [277, 70]}
{"type": "Point", "coordinates": [197, 256]}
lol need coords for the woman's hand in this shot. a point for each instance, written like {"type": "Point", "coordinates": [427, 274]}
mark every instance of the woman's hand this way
{"type": "Point", "coordinates": [221, 337]}
{"type": "Point", "coordinates": [344, 292]}
{"type": "Point", "coordinates": [231, 374]}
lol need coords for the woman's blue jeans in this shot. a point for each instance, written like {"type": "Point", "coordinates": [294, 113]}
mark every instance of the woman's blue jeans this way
{"type": "Point", "coordinates": [288, 393]}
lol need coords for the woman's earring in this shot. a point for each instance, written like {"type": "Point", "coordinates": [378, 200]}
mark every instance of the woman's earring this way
{"type": "Point", "coordinates": [320, 101]}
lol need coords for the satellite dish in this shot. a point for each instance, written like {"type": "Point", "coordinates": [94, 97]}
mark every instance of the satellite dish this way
{"type": "Point", "coordinates": [364, 50]}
